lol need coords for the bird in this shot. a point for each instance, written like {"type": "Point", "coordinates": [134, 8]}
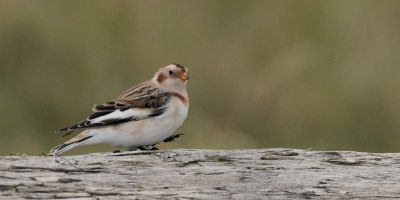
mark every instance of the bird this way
{"type": "Point", "coordinates": [139, 118]}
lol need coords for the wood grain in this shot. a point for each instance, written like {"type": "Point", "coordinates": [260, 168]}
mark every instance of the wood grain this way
{"type": "Point", "coordinates": [203, 174]}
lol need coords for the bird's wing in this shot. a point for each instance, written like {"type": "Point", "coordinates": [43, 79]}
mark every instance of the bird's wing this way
{"type": "Point", "coordinates": [140, 102]}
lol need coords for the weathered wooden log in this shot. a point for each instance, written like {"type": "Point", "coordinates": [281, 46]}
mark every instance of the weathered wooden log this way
{"type": "Point", "coordinates": [203, 174]}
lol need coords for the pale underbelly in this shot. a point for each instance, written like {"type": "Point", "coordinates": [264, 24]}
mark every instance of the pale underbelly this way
{"type": "Point", "coordinates": [144, 132]}
{"type": "Point", "coordinates": [137, 134]}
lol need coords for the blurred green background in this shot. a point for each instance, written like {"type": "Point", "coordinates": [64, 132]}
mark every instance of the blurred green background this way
{"type": "Point", "coordinates": [296, 74]}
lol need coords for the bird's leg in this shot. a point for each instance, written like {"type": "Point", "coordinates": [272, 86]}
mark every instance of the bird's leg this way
{"type": "Point", "coordinates": [172, 137]}
{"type": "Point", "coordinates": [147, 148]}
{"type": "Point", "coordinates": [143, 148]}
{"type": "Point", "coordinates": [153, 148]}
{"type": "Point", "coordinates": [136, 148]}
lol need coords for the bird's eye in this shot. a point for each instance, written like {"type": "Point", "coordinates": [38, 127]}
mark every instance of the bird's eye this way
{"type": "Point", "coordinates": [170, 72]}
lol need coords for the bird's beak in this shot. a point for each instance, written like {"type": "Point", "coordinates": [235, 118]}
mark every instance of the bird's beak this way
{"type": "Point", "coordinates": [185, 76]}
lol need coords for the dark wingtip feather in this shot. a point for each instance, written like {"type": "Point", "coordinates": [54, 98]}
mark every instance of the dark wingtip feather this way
{"type": "Point", "coordinates": [73, 127]}
{"type": "Point", "coordinates": [98, 114]}
{"type": "Point", "coordinates": [68, 133]}
{"type": "Point", "coordinates": [61, 130]}
{"type": "Point", "coordinates": [61, 148]}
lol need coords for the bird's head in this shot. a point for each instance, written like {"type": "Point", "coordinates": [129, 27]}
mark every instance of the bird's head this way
{"type": "Point", "coordinates": [172, 77]}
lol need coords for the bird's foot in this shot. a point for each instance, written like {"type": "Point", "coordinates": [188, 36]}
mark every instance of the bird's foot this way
{"type": "Point", "coordinates": [154, 148]}
{"type": "Point", "coordinates": [148, 148]}
{"type": "Point", "coordinates": [172, 137]}
{"type": "Point", "coordinates": [143, 148]}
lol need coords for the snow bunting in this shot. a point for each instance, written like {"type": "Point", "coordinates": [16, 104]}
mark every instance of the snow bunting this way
{"type": "Point", "coordinates": [140, 117]}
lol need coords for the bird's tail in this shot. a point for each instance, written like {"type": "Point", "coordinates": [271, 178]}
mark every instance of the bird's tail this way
{"type": "Point", "coordinates": [66, 146]}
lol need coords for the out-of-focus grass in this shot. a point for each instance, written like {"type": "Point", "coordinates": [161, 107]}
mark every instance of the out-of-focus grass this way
{"type": "Point", "coordinates": [299, 74]}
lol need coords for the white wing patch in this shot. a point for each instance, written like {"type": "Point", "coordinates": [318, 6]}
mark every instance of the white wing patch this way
{"type": "Point", "coordinates": [120, 115]}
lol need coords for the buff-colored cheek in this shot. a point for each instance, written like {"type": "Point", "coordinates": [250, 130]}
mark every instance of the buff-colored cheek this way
{"type": "Point", "coordinates": [161, 78]}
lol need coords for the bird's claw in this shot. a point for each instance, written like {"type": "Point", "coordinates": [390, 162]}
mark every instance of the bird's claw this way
{"type": "Point", "coordinates": [172, 137]}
